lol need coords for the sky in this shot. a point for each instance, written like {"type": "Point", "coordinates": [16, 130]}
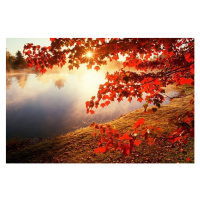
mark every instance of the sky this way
{"type": "Point", "coordinates": [17, 44]}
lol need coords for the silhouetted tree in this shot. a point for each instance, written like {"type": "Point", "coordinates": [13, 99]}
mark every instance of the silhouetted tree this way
{"type": "Point", "coordinates": [9, 60]}
{"type": "Point", "coordinates": [19, 62]}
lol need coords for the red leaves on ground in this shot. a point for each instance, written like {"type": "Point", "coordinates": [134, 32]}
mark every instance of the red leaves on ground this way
{"type": "Point", "coordinates": [94, 134]}
{"type": "Point", "coordinates": [151, 141]}
{"type": "Point", "coordinates": [138, 123]}
{"type": "Point", "coordinates": [112, 139]}
{"type": "Point", "coordinates": [100, 150]}
{"type": "Point", "coordinates": [93, 124]}
{"type": "Point", "coordinates": [192, 132]}
{"type": "Point", "coordinates": [125, 137]}
{"type": "Point", "coordinates": [188, 159]}
{"type": "Point", "coordinates": [125, 149]}
{"type": "Point", "coordinates": [192, 69]}
{"type": "Point", "coordinates": [137, 142]}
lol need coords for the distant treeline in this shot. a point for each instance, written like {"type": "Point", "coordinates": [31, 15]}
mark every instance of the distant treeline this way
{"type": "Point", "coordinates": [15, 62]}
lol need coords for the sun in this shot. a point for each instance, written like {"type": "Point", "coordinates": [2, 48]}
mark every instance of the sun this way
{"type": "Point", "coordinates": [89, 54]}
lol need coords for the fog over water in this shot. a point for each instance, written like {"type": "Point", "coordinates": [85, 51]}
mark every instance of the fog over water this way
{"type": "Point", "coordinates": [54, 103]}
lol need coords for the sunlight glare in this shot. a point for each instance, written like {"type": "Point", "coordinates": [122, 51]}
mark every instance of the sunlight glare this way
{"type": "Point", "coordinates": [89, 54]}
{"type": "Point", "coordinates": [91, 81]}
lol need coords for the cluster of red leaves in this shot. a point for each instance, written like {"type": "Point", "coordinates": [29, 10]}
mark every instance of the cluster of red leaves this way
{"type": "Point", "coordinates": [111, 138]}
{"type": "Point", "coordinates": [158, 61]}
{"type": "Point", "coordinates": [175, 65]}
{"type": "Point", "coordinates": [139, 51]}
{"type": "Point", "coordinates": [68, 50]}
{"type": "Point", "coordinates": [185, 127]}
{"type": "Point", "coordinates": [129, 85]}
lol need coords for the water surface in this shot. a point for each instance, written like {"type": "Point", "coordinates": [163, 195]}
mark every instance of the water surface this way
{"type": "Point", "coordinates": [54, 103]}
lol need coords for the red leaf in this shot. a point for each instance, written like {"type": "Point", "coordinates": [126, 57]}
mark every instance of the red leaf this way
{"type": "Point", "coordinates": [52, 39]}
{"type": "Point", "coordinates": [177, 139]}
{"type": "Point", "coordinates": [102, 40]}
{"type": "Point", "coordinates": [105, 97]}
{"type": "Point", "coordinates": [138, 123]}
{"type": "Point", "coordinates": [94, 134]}
{"type": "Point", "coordinates": [103, 139]}
{"type": "Point", "coordinates": [92, 111]}
{"type": "Point", "coordinates": [130, 99]}
{"type": "Point", "coordinates": [192, 69]}
{"type": "Point", "coordinates": [89, 66]}
{"type": "Point", "coordinates": [137, 142]}
{"type": "Point", "coordinates": [28, 52]}
{"type": "Point", "coordinates": [70, 67]}
{"type": "Point", "coordinates": [186, 81]}
{"type": "Point", "coordinates": [30, 65]}
{"type": "Point", "coordinates": [125, 137]}
{"type": "Point", "coordinates": [188, 159]}
{"type": "Point", "coordinates": [100, 150]}
{"type": "Point", "coordinates": [107, 103]}
{"type": "Point", "coordinates": [192, 132]}
{"type": "Point", "coordinates": [87, 103]}
{"type": "Point", "coordinates": [78, 42]}
{"type": "Point", "coordinates": [151, 141]}
{"type": "Point", "coordinates": [189, 58]}
{"type": "Point", "coordinates": [93, 124]}
{"type": "Point", "coordinates": [103, 105]}
{"type": "Point", "coordinates": [184, 141]}
{"type": "Point", "coordinates": [171, 139]}
{"type": "Point", "coordinates": [126, 149]}
{"type": "Point", "coordinates": [116, 57]}
{"type": "Point", "coordinates": [156, 82]}
{"type": "Point", "coordinates": [97, 68]}
{"type": "Point", "coordinates": [140, 99]}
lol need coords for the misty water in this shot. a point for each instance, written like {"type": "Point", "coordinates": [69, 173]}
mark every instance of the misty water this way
{"type": "Point", "coordinates": [54, 103]}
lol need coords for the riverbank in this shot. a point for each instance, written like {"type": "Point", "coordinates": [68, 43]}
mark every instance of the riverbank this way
{"type": "Point", "coordinates": [78, 146]}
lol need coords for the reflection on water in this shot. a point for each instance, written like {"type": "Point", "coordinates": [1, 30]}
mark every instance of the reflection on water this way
{"type": "Point", "coordinates": [54, 103]}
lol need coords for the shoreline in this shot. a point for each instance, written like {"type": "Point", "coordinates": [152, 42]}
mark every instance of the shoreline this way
{"type": "Point", "coordinates": [78, 146]}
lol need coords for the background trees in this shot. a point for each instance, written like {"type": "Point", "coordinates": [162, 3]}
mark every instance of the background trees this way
{"type": "Point", "coordinates": [19, 62]}
{"type": "Point", "coordinates": [15, 62]}
{"type": "Point", "coordinates": [9, 60]}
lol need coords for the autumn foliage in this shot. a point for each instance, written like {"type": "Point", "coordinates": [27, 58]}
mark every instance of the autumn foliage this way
{"type": "Point", "coordinates": [158, 62]}
{"type": "Point", "coordinates": [111, 138]}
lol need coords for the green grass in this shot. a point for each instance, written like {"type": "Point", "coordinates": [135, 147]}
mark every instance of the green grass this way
{"type": "Point", "coordinates": [78, 146]}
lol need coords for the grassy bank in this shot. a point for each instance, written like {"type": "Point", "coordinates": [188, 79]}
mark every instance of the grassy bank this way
{"type": "Point", "coordinates": [78, 146]}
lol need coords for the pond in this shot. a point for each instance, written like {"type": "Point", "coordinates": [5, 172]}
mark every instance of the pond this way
{"type": "Point", "coordinates": [54, 103]}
